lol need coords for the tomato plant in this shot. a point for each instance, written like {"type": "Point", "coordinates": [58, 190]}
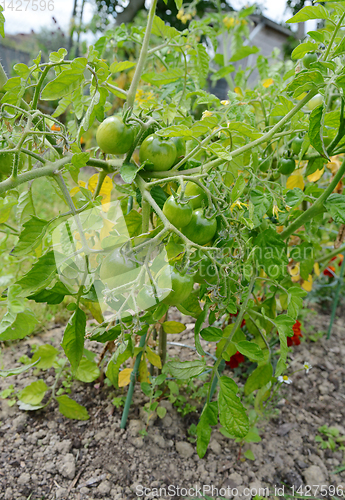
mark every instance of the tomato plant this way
{"type": "Point", "coordinates": [123, 251]}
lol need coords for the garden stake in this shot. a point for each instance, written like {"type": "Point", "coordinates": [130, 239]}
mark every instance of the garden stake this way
{"type": "Point", "coordinates": [336, 297]}
{"type": "Point", "coordinates": [131, 385]}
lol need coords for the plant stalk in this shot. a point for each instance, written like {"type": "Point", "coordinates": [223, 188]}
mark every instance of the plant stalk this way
{"type": "Point", "coordinates": [142, 58]}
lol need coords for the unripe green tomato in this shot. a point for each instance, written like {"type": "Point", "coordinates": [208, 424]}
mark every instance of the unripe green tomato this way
{"type": "Point", "coordinates": [180, 146]}
{"type": "Point", "coordinates": [114, 137]}
{"type": "Point", "coordinates": [179, 214]}
{"type": "Point", "coordinates": [118, 269]}
{"type": "Point", "coordinates": [159, 151]}
{"type": "Point", "coordinates": [315, 101]}
{"type": "Point", "coordinates": [200, 230]}
{"type": "Point", "coordinates": [286, 166]}
{"type": "Point", "coordinates": [308, 59]}
{"type": "Point", "coordinates": [192, 189]}
{"type": "Point", "coordinates": [264, 164]}
{"type": "Point", "coordinates": [296, 145]}
{"type": "Point", "coordinates": [181, 285]}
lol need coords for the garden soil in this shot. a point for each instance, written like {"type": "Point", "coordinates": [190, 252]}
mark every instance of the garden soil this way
{"type": "Point", "coordinates": [46, 456]}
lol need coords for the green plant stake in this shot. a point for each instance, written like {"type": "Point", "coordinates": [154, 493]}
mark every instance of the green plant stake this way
{"type": "Point", "coordinates": [336, 297]}
{"type": "Point", "coordinates": [131, 385]}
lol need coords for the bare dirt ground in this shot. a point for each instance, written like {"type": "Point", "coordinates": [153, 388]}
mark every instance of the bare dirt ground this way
{"type": "Point", "coordinates": [46, 456]}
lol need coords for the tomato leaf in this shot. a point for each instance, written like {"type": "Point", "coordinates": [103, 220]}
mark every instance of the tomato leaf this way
{"type": "Point", "coordinates": [250, 350]}
{"type": "Point", "coordinates": [309, 12]}
{"type": "Point", "coordinates": [208, 418]}
{"type": "Point", "coordinates": [34, 393]}
{"type": "Point", "coordinates": [31, 236]}
{"type": "Point", "coordinates": [17, 371]}
{"type": "Point", "coordinates": [17, 326]}
{"type": "Point", "coordinates": [173, 327]}
{"type": "Point", "coordinates": [45, 356]}
{"type": "Point", "coordinates": [87, 371]}
{"type": "Point", "coordinates": [211, 334]}
{"type": "Point", "coordinates": [232, 414]}
{"type": "Point", "coordinates": [71, 409]}
{"type": "Point", "coordinates": [38, 276]}
{"type": "Point", "coordinates": [184, 370]}
{"type": "Point", "coordinates": [73, 339]}
{"type": "Point", "coordinates": [316, 122]}
{"type": "Point", "coordinates": [302, 49]}
{"type": "Point", "coordinates": [258, 378]}
{"type": "Point", "coordinates": [335, 205]}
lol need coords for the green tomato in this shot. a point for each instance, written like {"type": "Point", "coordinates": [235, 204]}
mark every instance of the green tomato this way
{"type": "Point", "coordinates": [192, 189]}
{"type": "Point", "coordinates": [315, 101]}
{"type": "Point", "coordinates": [118, 269]}
{"type": "Point", "coordinates": [296, 145]}
{"type": "Point", "coordinates": [179, 214]}
{"type": "Point", "coordinates": [286, 166]}
{"type": "Point", "coordinates": [114, 137]}
{"type": "Point", "coordinates": [308, 59]}
{"type": "Point", "coordinates": [180, 146]}
{"type": "Point", "coordinates": [159, 151]}
{"type": "Point", "coordinates": [181, 285]}
{"type": "Point", "coordinates": [264, 164]}
{"type": "Point", "coordinates": [200, 230]}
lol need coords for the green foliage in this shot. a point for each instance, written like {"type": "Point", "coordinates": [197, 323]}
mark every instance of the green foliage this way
{"type": "Point", "coordinates": [253, 269]}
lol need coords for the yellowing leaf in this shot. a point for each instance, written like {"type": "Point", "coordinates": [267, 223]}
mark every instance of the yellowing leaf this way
{"type": "Point", "coordinates": [105, 191]}
{"type": "Point", "coordinates": [308, 285]}
{"type": "Point", "coordinates": [107, 227]}
{"type": "Point", "coordinates": [125, 377]}
{"type": "Point", "coordinates": [296, 278]}
{"type": "Point", "coordinates": [238, 91]}
{"type": "Point", "coordinates": [316, 175]}
{"type": "Point", "coordinates": [173, 327]}
{"type": "Point", "coordinates": [317, 269]}
{"type": "Point", "coordinates": [154, 359]}
{"type": "Point", "coordinates": [333, 165]}
{"type": "Point", "coordinates": [295, 181]}
{"type": "Point", "coordinates": [74, 191]}
{"type": "Point", "coordinates": [143, 372]}
{"type": "Point", "coordinates": [267, 82]}
{"type": "Point", "coordinates": [294, 271]}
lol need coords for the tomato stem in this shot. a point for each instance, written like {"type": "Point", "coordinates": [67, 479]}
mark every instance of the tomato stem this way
{"type": "Point", "coordinates": [142, 58]}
